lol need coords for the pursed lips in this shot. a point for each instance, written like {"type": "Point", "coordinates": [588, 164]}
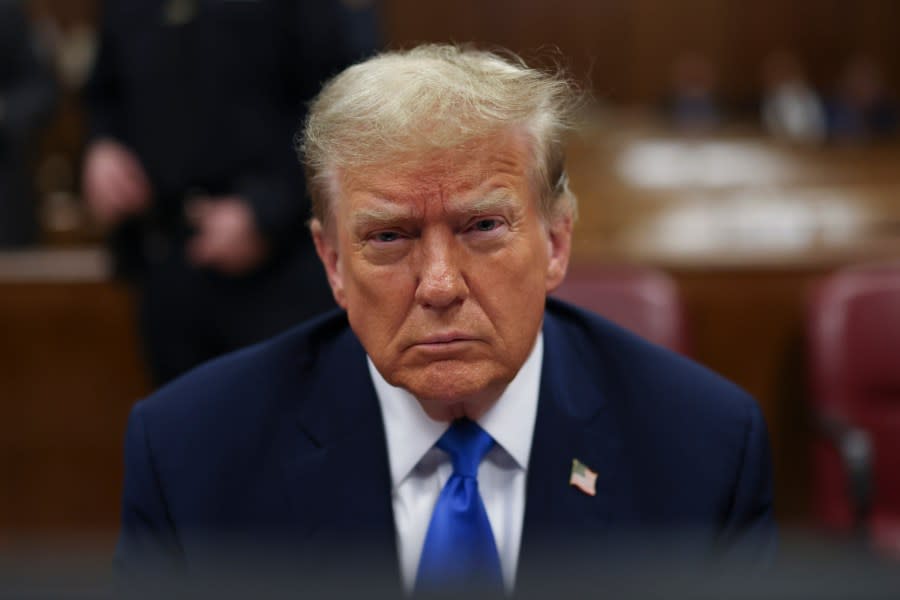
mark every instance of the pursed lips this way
{"type": "Point", "coordinates": [444, 339]}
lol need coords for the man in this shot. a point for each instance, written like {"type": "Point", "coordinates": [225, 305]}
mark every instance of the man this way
{"type": "Point", "coordinates": [190, 164]}
{"type": "Point", "coordinates": [450, 416]}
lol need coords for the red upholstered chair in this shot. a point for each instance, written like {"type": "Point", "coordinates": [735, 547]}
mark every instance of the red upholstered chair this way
{"type": "Point", "coordinates": [854, 370]}
{"type": "Point", "coordinates": [643, 300]}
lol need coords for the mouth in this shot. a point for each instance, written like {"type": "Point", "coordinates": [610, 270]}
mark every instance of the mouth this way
{"type": "Point", "coordinates": [444, 340]}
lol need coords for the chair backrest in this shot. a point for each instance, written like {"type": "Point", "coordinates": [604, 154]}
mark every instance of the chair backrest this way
{"type": "Point", "coordinates": [854, 375]}
{"type": "Point", "coordinates": [643, 300]}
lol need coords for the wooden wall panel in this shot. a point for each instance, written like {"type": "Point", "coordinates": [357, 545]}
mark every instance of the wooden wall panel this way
{"type": "Point", "coordinates": [664, 30]}
{"type": "Point", "coordinates": [747, 325]}
{"type": "Point", "coordinates": [624, 47]}
{"type": "Point", "coordinates": [621, 49]}
{"type": "Point", "coordinates": [69, 373]}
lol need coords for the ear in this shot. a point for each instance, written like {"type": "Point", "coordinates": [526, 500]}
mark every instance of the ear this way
{"type": "Point", "coordinates": [327, 249]}
{"type": "Point", "coordinates": [559, 246]}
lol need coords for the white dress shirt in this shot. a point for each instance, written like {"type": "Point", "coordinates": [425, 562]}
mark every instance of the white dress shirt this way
{"type": "Point", "coordinates": [419, 470]}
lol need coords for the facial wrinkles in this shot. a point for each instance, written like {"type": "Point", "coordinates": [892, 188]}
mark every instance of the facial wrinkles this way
{"type": "Point", "coordinates": [445, 255]}
{"type": "Point", "coordinates": [439, 265]}
{"type": "Point", "coordinates": [443, 268]}
{"type": "Point", "coordinates": [442, 272]}
{"type": "Point", "coordinates": [441, 280]}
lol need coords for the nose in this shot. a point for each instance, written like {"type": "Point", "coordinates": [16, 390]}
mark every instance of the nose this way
{"type": "Point", "coordinates": [441, 280]}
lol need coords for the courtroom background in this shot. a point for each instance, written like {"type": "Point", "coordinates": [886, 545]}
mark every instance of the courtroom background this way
{"type": "Point", "coordinates": [742, 219]}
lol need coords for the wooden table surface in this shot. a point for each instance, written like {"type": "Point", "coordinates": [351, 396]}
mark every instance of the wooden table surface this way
{"type": "Point", "coordinates": [738, 200]}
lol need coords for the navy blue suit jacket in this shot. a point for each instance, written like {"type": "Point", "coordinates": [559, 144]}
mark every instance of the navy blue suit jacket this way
{"type": "Point", "coordinates": [285, 440]}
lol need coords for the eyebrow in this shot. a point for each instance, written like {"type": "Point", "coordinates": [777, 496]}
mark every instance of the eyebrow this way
{"type": "Point", "coordinates": [379, 215]}
{"type": "Point", "coordinates": [497, 200]}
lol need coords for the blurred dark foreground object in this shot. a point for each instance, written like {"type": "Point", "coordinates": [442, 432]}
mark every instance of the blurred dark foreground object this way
{"type": "Point", "coordinates": [808, 568]}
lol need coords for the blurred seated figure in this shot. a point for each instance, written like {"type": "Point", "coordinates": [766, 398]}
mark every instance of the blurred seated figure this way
{"type": "Point", "coordinates": [791, 109]}
{"type": "Point", "coordinates": [692, 104]}
{"type": "Point", "coordinates": [191, 163]}
{"type": "Point", "coordinates": [862, 108]}
{"type": "Point", "coordinates": [27, 94]}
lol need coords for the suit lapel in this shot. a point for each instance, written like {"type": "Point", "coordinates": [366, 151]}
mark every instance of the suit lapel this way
{"type": "Point", "coordinates": [336, 466]}
{"type": "Point", "coordinates": [574, 421]}
{"type": "Point", "coordinates": [337, 473]}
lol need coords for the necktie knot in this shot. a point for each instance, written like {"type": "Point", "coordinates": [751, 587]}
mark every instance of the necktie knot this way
{"type": "Point", "coordinates": [466, 443]}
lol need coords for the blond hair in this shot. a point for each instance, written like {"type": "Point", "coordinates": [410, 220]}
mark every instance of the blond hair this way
{"type": "Point", "coordinates": [397, 105]}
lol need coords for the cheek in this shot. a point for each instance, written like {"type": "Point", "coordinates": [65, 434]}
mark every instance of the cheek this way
{"type": "Point", "coordinates": [378, 284]}
{"type": "Point", "coordinates": [378, 298]}
{"type": "Point", "coordinates": [521, 268]}
{"type": "Point", "coordinates": [512, 289]}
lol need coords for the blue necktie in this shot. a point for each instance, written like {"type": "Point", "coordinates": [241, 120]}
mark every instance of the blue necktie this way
{"type": "Point", "coordinates": [459, 549]}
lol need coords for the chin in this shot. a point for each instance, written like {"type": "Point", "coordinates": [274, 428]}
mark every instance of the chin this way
{"type": "Point", "coordinates": [450, 383]}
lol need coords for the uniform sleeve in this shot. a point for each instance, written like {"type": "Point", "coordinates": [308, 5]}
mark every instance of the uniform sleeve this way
{"type": "Point", "coordinates": [102, 93]}
{"type": "Point", "coordinates": [28, 91]}
{"type": "Point", "coordinates": [750, 534]}
{"type": "Point", "coordinates": [316, 40]}
{"type": "Point", "coordinates": [148, 544]}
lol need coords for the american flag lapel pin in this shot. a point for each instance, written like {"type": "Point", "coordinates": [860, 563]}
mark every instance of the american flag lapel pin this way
{"type": "Point", "coordinates": [583, 478]}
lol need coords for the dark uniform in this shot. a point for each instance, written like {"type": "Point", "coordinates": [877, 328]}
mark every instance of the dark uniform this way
{"type": "Point", "coordinates": [208, 94]}
{"type": "Point", "coordinates": [27, 94]}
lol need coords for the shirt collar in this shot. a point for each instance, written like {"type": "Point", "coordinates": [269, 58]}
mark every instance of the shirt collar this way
{"type": "Point", "coordinates": [510, 421]}
{"type": "Point", "coordinates": [411, 433]}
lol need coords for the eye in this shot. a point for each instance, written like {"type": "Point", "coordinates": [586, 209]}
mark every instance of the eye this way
{"type": "Point", "coordinates": [386, 236]}
{"type": "Point", "coordinates": [486, 224]}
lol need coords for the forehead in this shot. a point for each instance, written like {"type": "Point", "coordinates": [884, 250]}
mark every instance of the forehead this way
{"type": "Point", "coordinates": [495, 165]}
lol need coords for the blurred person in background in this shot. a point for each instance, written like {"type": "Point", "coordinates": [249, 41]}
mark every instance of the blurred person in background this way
{"type": "Point", "coordinates": [791, 109]}
{"type": "Point", "coordinates": [27, 96]}
{"type": "Point", "coordinates": [190, 163]}
{"type": "Point", "coordinates": [862, 109]}
{"type": "Point", "coordinates": [692, 104]}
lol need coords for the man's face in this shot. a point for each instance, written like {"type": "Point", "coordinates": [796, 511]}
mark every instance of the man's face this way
{"type": "Point", "coordinates": [443, 268]}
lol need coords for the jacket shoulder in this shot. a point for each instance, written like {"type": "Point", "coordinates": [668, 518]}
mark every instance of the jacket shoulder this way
{"type": "Point", "coordinates": [653, 374]}
{"type": "Point", "coordinates": [671, 411]}
{"type": "Point", "coordinates": [242, 391]}
{"type": "Point", "coordinates": [696, 444]}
